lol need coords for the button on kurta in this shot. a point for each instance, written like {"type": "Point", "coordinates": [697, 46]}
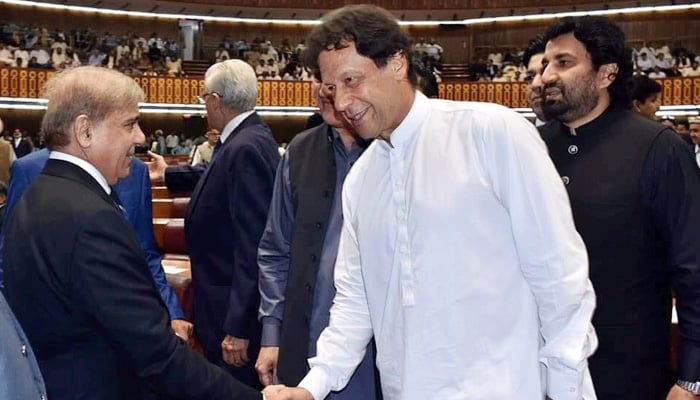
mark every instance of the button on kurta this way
{"type": "Point", "coordinates": [573, 149]}
{"type": "Point", "coordinates": [565, 179]}
{"type": "Point", "coordinates": [23, 350]}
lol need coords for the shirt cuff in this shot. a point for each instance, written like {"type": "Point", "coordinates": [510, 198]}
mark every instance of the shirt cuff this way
{"type": "Point", "coordinates": [270, 334]}
{"type": "Point", "coordinates": [689, 361]}
{"type": "Point", "coordinates": [316, 382]}
{"type": "Point", "coordinates": [564, 383]}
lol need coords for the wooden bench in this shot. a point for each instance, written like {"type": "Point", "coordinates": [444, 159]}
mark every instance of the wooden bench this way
{"type": "Point", "coordinates": [161, 192]}
{"type": "Point", "coordinates": [170, 207]}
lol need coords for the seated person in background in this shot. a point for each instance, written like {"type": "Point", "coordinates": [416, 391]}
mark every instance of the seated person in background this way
{"type": "Point", "coordinates": [181, 149]}
{"type": "Point", "coordinates": [663, 63]}
{"type": "Point", "coordinates": [657, 73]}
{"type": "Point", "coordinates": [76, 278]}
{"type": "Point", "coordinates": [7, 59]}
{"type": "Point", "coordinates": [645, 96]}
{"type": "Point", "coordinates": [221, 54]}
{"type": "Point", "coordinates": [21, 58]}
{"type": "Point", "coordinates": [203, 152]}
{"type": "Point", "coordinates": [645, 63]}
{"type": "Point", "coordinates": [174, 66]}
{"type": "Point", "coordinates": [692, 71]}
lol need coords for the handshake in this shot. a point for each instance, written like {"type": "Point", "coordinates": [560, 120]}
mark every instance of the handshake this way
{"type": "Point", "coordinates": [281, 392]}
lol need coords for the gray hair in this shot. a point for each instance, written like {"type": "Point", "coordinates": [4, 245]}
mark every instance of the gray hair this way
{"type": "Point", "coordinates": [235, 82]}
{"type": "Point", "coordinates": [91, 91]}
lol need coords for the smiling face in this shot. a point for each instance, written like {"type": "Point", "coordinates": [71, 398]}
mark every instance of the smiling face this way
{"type": "Point", "coordinates": [112, 147]}
{"type": "Point", "coordinates": [373, 100]}
{"type": "Point", "coordinates": [572, 88]}
{"type": "Point", "coordinates": [534, 84]}
{"type": "Point", "coordinates": [326, 107]}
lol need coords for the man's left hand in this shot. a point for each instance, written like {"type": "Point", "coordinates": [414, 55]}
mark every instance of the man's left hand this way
{"type": "Point", "coordinates": [234, 351]}
{"type": "Point", "coordinates": [183, 329]}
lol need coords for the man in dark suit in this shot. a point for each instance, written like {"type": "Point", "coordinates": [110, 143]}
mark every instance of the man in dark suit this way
{"type": "Point", "coordinates": [135, 193]}
{"type": "Point", "coordinates": [76, 277]}
{"type": "Point", "coordinates": [635, 196]}
{"type": "Point", "coordinates": [226, 217]}
{"type": "Point", "coordinates": [22, 146]}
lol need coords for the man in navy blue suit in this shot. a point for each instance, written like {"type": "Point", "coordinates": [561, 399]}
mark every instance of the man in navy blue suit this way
{"type": "Point", "coordinates": [226, 217]}
{"type": "Point", "coordinates": [135, 194]}
{"type": "Point", "coordinates": [76, 277]}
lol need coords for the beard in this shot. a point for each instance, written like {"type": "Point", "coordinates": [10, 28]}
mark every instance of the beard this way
{"type": "Point", "coordinates": [577, 99]}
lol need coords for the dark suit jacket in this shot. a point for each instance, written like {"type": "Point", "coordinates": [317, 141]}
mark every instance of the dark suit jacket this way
{"type": "Point", "coordinates": [23, 148]}
{"type": "Point", "coordinates": [79, 285]}
{"type": "Point", "coordinates": [224, 221]}
{"type": "Point", "coordinates": [135, 194]}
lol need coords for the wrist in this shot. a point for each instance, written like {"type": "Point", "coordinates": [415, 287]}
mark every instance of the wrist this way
{"type": "Point", "coordinates": [688, 386]}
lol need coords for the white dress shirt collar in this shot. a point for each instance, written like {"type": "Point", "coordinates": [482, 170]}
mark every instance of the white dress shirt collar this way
{"type": "Point", "coordinates": [86, 166]}
{"type": "Point", "coordinates": [411, 123]}
{"type": "Point", "coordinates": [233, 124]}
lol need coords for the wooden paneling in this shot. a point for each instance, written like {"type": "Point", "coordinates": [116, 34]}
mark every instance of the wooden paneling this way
{"type": "Point", "coordinates": [675, 91]}
{"type": "Point", "coordinates": [99, 23]}
{"type": "Point", "coordinates": [18, 82]}
{"type": "Point", "coordinates": [23, 82]}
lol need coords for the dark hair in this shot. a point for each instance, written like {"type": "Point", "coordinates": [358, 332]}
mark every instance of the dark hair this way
{"type": "Point", "coordinates": [683, 122]}
{"type": "Point", "coordinates": [427, 83]}
{"type": "Point", "coordinates": [605, 43]}
{"type": "Point", "coordinates": [643, 87]}
{"type": "Point", "coordinates": [536, 46]}
{"type": "Point", "coordinates": [374, 31]}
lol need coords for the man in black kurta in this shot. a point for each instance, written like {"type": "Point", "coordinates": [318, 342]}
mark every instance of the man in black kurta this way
{"type": "Point", "coordinates": [635, 196]}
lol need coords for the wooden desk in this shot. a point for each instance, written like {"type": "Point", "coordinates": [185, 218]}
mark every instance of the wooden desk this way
{"type": "Point", "coordinates": [179, 276]}
{"type": "Point", "coordinates": [159, 230]}
{"type": "Point", "coordinates": [160, 192]}
{"type": "Point", "coordinates": [162, 208]}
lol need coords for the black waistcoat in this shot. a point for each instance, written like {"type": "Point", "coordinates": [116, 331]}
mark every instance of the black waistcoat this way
{"type": "Point", "coordinates": [602, 168]}
{"type": "Point", "coordinates": [312, 172]}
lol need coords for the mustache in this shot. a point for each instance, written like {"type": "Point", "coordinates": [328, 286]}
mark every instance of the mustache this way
{"type": "Point", "coordinates": [553, 85]}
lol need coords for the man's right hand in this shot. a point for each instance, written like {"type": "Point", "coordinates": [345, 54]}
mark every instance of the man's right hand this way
{"type": "Point", "coordinates": [281, 392]}
{"type": "Point", "coordinates": [156, 167]}
{"type": "Point", "coordinates": [266, 365]}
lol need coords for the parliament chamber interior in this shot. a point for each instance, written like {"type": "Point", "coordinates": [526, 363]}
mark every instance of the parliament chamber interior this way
{"type": "Point", "coordinates": [472, 50]}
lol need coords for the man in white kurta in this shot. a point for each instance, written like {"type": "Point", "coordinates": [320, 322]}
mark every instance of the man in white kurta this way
{"type": "Point", "coordinates": [458, 250]}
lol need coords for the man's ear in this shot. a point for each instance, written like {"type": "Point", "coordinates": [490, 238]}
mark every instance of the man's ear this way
{"type": "Point", "coordinates": [398, 65]}
{"type": "Point", "coordinates": [607, 74]}
{"type": "Point", "coordinates": [81, 131]}
{"type": "Point", "coordinates": [635, 105]}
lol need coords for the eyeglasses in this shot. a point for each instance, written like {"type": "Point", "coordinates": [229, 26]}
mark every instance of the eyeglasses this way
{"type": "Point", "coordinates": [203, 98]}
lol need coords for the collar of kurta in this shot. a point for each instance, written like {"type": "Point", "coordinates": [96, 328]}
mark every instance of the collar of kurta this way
{"type": "Point", "coordinates": [411, 123]}
{"type": "Point", "coordinates": [598, 125]}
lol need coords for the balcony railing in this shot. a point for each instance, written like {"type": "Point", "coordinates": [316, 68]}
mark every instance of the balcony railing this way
{"type": "Point", "coordinates": [27, 83]}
